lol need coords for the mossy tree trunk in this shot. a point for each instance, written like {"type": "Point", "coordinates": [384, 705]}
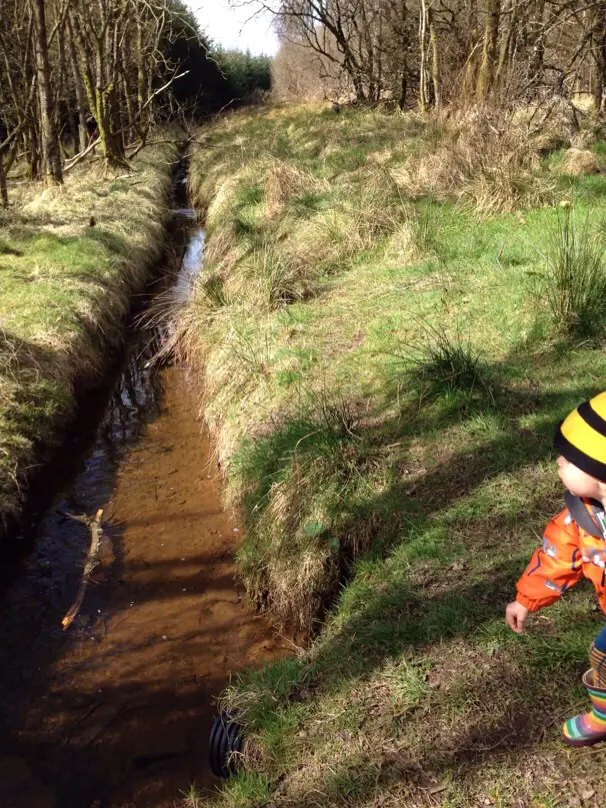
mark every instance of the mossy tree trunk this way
{"type": "Point", "coordinates": [100, 71]}
{"type": "Point", "coordinates": [78, 87]}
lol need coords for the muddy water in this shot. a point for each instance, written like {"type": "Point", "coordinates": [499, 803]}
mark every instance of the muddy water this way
{"type": "Point", "coordinates": [115, 711]}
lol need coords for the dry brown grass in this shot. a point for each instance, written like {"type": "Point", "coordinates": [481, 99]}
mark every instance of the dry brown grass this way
{"type": "Point", "coordinates": [283, 181]}
{"type": "Point", "coordinates": [487, 161]}
{"type": "Point", "coordinates": [580, 162]}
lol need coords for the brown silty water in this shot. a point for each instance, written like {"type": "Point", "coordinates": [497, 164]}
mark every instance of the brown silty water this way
{"type": "Point", "coordinates": [115, 711]}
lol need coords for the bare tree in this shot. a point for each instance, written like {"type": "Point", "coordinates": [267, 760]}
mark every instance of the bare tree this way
{"type": "Point", "coordinates": [468, 51]}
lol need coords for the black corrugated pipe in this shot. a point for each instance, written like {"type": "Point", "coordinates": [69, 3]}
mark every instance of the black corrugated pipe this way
{"type": "Point", "coordinates": [226, 741]}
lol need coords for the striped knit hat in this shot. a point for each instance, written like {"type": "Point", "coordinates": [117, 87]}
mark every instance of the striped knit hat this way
{"type": "Point", "coordinates": [581, 437]}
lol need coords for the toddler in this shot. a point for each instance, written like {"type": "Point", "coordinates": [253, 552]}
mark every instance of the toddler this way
{"type": "Point", "coordinates": [574, 545]}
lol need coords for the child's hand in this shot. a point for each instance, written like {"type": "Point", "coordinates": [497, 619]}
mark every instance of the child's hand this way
{"type": "Point", "coordinates": [515, 615]}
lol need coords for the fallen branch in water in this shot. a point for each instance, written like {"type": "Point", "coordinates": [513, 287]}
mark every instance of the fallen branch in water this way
{"type": "Point", "coordinates": [96, 532]}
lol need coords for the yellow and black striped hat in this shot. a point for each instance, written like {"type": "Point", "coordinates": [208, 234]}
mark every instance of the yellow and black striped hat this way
{"type": "Point", "coordinates": [581, 437]}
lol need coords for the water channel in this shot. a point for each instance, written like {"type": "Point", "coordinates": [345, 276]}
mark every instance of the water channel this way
{"type": "Point", "coordinates": [115, 710]}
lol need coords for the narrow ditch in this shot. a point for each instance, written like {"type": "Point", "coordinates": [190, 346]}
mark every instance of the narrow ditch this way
{"type": "Point", "coordinates": [116, 710]}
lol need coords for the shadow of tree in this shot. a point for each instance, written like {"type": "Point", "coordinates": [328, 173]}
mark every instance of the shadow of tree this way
{"type": "Point", "coordinates": [17, 353]}
{"type": "Point", "coordinates": [497, 717]}
{"type": "Point", "coordinates": [416, 498]}
{"type": "Point", "coordinates": [113, 242]}
{"type": "Point", "coordinates": [399, 600]}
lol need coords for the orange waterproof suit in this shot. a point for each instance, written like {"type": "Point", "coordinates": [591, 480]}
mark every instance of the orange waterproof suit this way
{"type": "Point", "coordinates": [574, 545]}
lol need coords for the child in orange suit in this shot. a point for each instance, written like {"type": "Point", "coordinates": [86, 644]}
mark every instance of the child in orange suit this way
{"type": "Point", "coordinates": [574, 546]}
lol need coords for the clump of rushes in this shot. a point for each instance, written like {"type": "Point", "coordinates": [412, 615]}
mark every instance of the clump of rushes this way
{"type": "Point", "coordinates": [574, 278]}
{"type": "Point", "coordinates": [213, 290]}
{"type": "Point", "coordinates": [426, 229]}
{"type": "Point", "coordinates": [272, 278]}
{"type": "Point", "coordinates": [439, 362]}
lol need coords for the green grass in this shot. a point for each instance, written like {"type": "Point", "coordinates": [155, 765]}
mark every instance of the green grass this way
{"type": "Point", "coordinates": [66, 286]}
{"type": "Point", "coordinates": [387, 438]}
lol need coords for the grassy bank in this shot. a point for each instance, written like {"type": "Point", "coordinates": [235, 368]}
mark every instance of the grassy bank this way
{"type": "Point", "coordinates": [70, 259]}
{"type": "Point", "coordinates": [389, 336]}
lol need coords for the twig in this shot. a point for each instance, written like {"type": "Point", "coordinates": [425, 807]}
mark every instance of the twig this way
{"type": "Point", "coordinates": [96, 532]}
{"type": "Point", "coordinates": [102, 729]}
{"type": "Point", "coordinates": [76, 159]}
{"type": "Point", "coordinates": [82, 718]}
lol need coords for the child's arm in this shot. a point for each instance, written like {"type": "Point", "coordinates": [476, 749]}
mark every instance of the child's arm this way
{"type": "Point", "coordinates": [553, 568]}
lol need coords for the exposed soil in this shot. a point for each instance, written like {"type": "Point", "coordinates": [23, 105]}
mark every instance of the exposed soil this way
{"type": "Point", "coordinates": [116, 710]}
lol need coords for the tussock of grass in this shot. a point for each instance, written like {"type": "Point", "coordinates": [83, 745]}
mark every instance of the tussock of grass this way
{"type": "Point", "coordinates": [272, 278]}
{"type": "Point", "coordinates": [388, 439]}
{"type": "Point", "coordinates": [580, 161]}
{"type": "Point", "coordinates": [312, 480]}
{"type": "Point", "coordinates": [66, 285]}
{"type": "Point", "coordinates": [443, 363]}
{"type": "Point", "coordinates": [574, 281]}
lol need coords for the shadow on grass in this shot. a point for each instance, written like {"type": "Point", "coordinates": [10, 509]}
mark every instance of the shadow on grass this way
{"type": "Point", "coordinates": [415, 595]}
{"type": "Point", "coordinates": [431, 759]}
{"type": "Point", "coordinates": [407, 607]}
{"type": "Point", "coordinates": [476, 731]}
{"type": "Point", "coordinates": [112, 242]}
{"type": "Point", "coordinates": [30, 231]}
{"type": "Point", "coordinates": [19, 354]}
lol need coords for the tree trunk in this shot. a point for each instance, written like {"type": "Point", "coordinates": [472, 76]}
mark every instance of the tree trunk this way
{"type": "Point", "coordinates": [489, 50]}
{"type": "Point", "coordinates": [507, 49]}
{"type": "Point", "coordinates": [79, 87]}
{"type": "Point", "coordinates": [435, 62]}
{"type": "Point", "coordinates": [50, 140]}
{"type": "Point", "coordinates": [99, 91]}
{"type": "Point", "coordinates": [423, 80]}
{"type": "Point", "coordinates": [538, 54]}
{"type": "Point", "coordinates": [140, 74]}
{"type": "Point", "coordinates": [131, 128]}
{"type": "Point", "coordinates": [32, 148]}
{"type": "Point", "coordinates": [113, 101]}
{"type": "Point", "coordinates": [403, 89]}
{"type": "Point", "coordinates": [3, 187]}
{"type": "Point", "coordinates": [64, 93]}
{"type": "Point", "coordinates": [599, 51]}
{"type": "Point", "coordinates": [354, 75]}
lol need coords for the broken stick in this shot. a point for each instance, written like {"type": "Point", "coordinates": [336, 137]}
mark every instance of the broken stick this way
{"type": "Point", "coordinates": [96, 532]}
